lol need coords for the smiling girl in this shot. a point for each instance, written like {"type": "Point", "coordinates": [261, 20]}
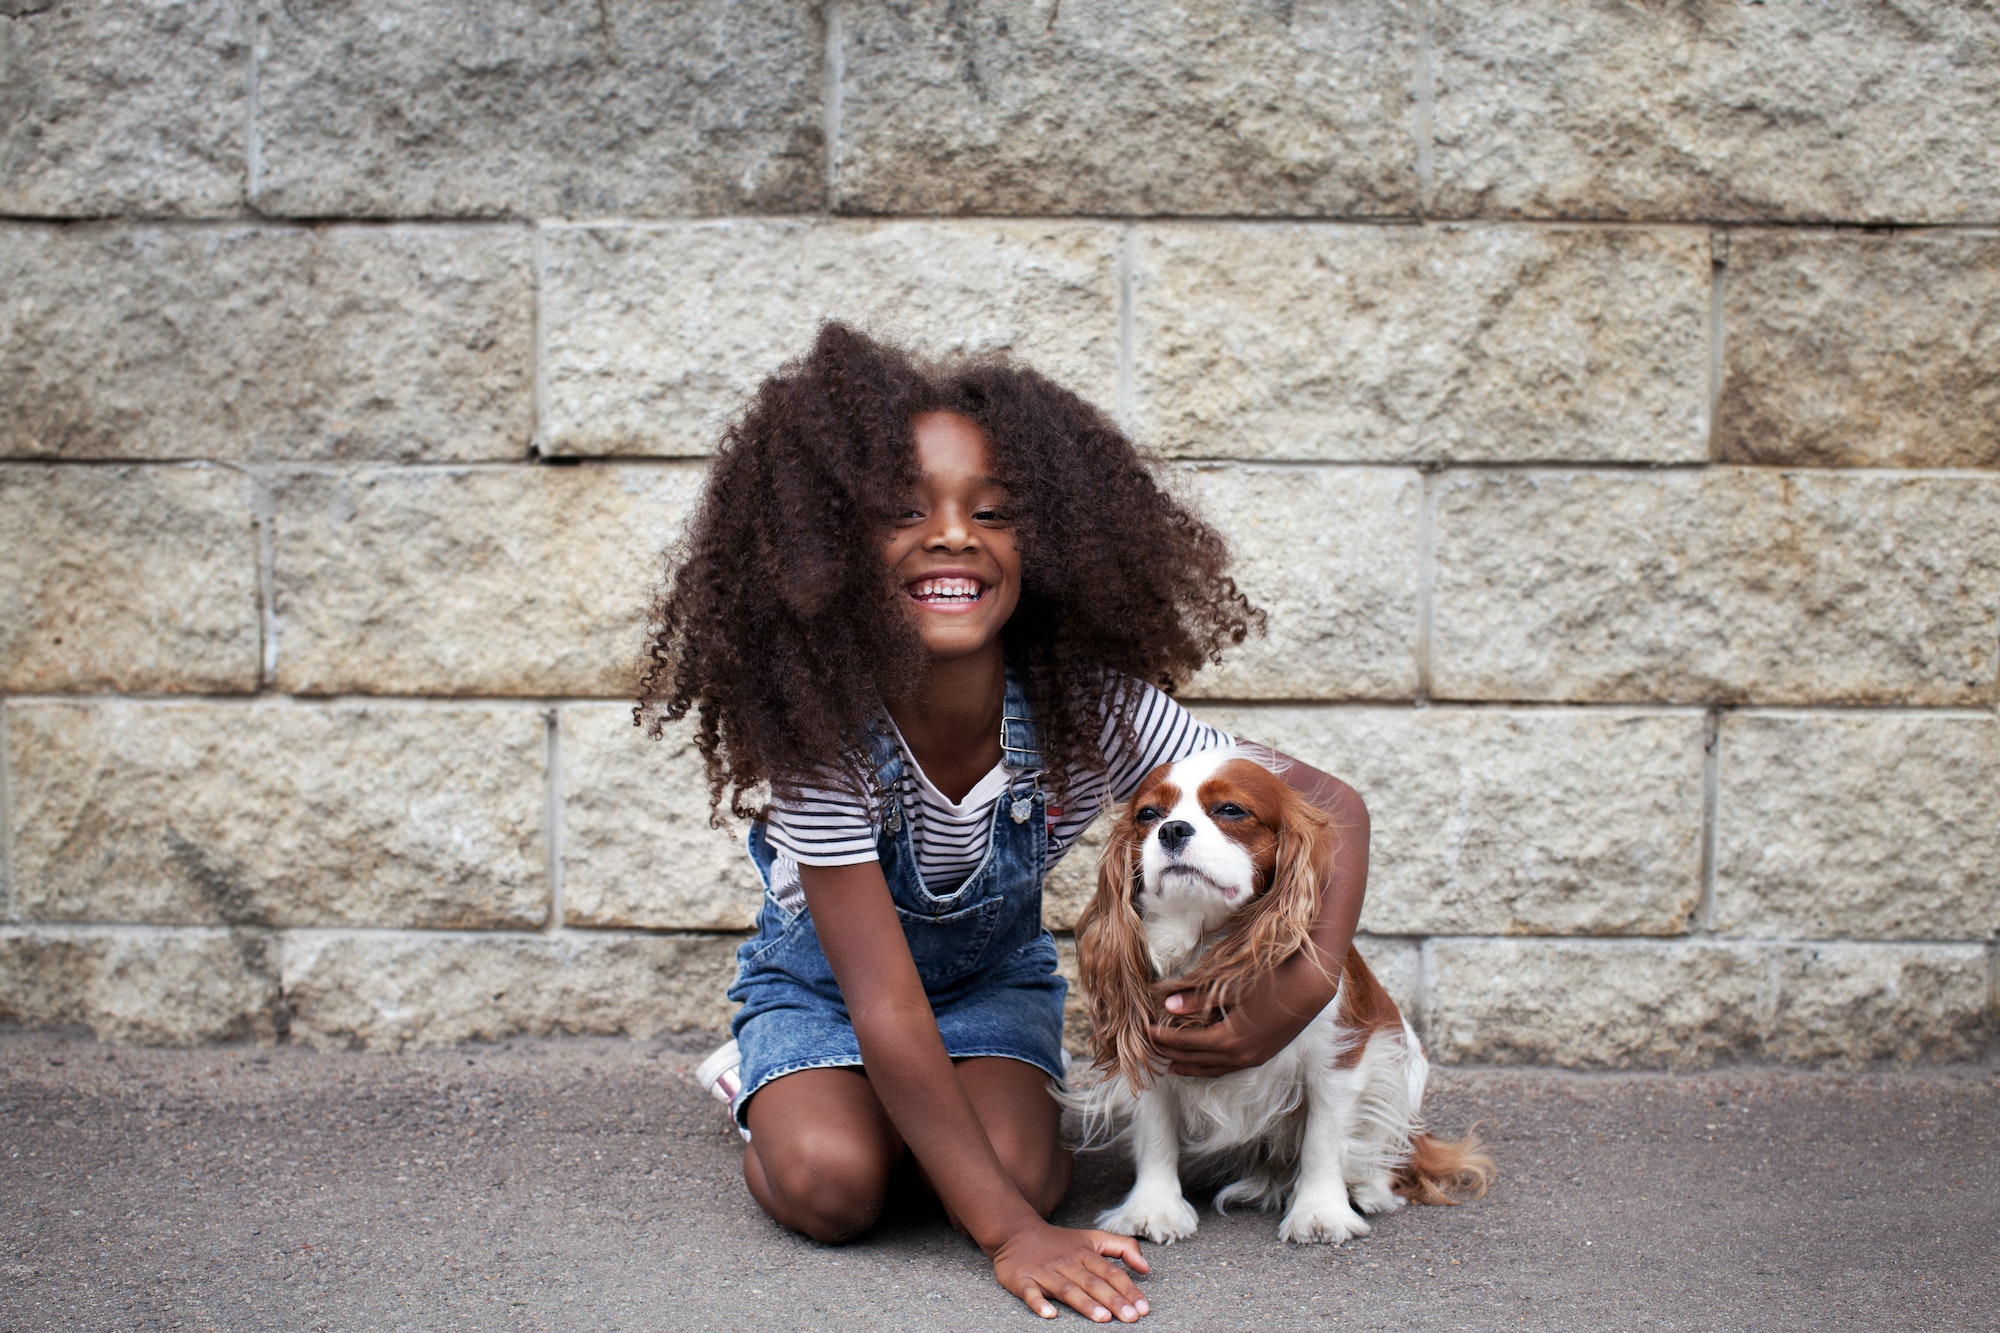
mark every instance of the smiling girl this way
{"type": "Point", "coordinates": [924, 618]}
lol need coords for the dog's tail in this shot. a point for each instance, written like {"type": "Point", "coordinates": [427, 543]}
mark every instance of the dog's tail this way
{"type": "Point", "coordinates": [1438, 1167]}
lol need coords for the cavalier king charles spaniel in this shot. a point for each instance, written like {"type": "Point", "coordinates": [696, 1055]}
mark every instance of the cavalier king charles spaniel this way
{"type": "Point", "coordinates": [1212, 877]}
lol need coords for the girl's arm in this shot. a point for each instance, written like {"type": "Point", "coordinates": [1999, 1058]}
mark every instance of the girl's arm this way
{"type": "Point", "coordinates": [1269, 1014]}
{"type": "Point", "coordinates": [910, 1071]}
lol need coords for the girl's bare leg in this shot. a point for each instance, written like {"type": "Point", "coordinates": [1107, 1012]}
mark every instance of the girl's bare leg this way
{"type": "Point", "coordinates": [820, 1153]}
{"type": "Point", "coordinates": [823, 1151]}
{"type": "Point", "coordinates": [1023, 1123]}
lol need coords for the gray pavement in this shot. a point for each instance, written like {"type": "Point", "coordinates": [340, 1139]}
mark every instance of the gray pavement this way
{"type": "Point", "coordinates": [586, 1184]}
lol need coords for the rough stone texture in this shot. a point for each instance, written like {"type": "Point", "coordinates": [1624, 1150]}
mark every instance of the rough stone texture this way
{"type": "Point", "coordinates": [1398, 343]}
{"type": "Point", "coordinates": [1646, 1005]}
{"type": "Point", "coordinates": [151, 987]}
{"type": "Point", "coordinates": [392, 992]}
{"type": "Point", "coordinates": [122, 106]}
{"type": "Point", "coordinates": [404, 108]}
{"type": "Point", "coordinates": [636, 846]}
{"type": "Point", "coordinates": [127, 578]}
{"type": "Point", "coordinates": [655, 336]}
{"type": "Point", "coordinates": [1119, 106]}
{"type": "Point", "coordinates": [471, 581]}
{"type": "Point", "coordinates": [1844, 825]}
{"type": "Point", "coordinates": [1476, 815]}
{"type": "Point", "coordinates": [266, 342]}
{"type": "Point", "coordinates": [1851, 350]}
{"type": "Point", "coordinates": [1712, 109]}
{"type": "Point", "coordinates": [276, 815]}
{"type": "Point", "coordinates": [1720, 586]}
{"type": "Point", "coordinates": [1070, 884]}
{"type": "Point", "coordinates": [1331, 556]}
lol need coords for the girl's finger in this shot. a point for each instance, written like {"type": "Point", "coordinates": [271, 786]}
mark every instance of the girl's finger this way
{"type": "Point", "coordinates": [1037, 1302]}
{"type": "Point", "coordinates": [1114, 1246]}
{"type": "Point", "coordinates": [1081, 1301]}
{"type": "Point", "coordinates": [1108, 1297]}
{"type": "Point", "coordinates": [1127, 1302]}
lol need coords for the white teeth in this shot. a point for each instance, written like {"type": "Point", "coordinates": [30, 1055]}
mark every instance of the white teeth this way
{"type": "Point", "coordinates": [947, 590]}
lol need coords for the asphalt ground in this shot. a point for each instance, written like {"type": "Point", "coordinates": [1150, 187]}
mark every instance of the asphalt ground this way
{"type": "Point", "coordinates": [588, 1184]}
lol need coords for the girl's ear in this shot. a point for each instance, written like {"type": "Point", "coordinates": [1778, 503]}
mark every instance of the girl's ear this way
{"type": "Point", "coordinates": [1116, 966]}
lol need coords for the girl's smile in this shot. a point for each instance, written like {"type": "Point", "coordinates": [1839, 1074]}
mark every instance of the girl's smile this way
{"type": "Point", "coordinates": [951, 544]}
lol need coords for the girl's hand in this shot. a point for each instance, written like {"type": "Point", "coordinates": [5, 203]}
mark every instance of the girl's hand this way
{"type": "Point", "coordinates": [1041, 1261]}
{"type": "Point", "coordinates": [1262, 1021]}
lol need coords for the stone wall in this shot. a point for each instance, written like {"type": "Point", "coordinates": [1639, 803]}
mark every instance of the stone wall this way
{"type": "Point", "coordinates": [1602, 398]}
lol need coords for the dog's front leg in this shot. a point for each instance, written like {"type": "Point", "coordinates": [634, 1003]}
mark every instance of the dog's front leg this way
{"type": "Point", "coordinates": [1155, 1208]}
{"type": "Point", "coordinates": [1320, 1210]}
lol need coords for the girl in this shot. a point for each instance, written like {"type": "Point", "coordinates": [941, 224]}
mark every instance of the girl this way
{"type": "Point", "coordinates": [926, 610]}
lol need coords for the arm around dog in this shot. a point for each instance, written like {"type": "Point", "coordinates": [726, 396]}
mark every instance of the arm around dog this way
{"type": "Point", "coordinates": [1268, 1015]}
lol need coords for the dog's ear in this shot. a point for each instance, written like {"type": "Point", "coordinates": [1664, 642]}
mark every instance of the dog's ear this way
{"type": "Point", "coordinates": [1280, 922]}
{"type": "Point", "coordinates": [1115, 965]}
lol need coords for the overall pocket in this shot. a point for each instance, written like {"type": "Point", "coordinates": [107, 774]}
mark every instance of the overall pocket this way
{"type": "Point", "coordinates": [947, 947]}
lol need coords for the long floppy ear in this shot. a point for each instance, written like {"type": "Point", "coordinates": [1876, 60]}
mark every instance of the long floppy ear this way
{"type": "Point", "coordinates": [1280, 922]}
{"type": "Point", "coordinates": [1115, 965]}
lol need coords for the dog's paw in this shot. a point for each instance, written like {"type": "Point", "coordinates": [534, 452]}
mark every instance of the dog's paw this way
{"type": "Point", "coordinates": [1160, 1218]}
{"type": "Point", "coordinates": [1328, 1222]}
{"type": "Point", "coordinates": [1376, 1197]}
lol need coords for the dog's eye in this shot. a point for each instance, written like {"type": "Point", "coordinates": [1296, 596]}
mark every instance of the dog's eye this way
{"type": "Point", "coordinates": [1147, 814]}
{"type": "Point", "coordinates": [1229, 810]}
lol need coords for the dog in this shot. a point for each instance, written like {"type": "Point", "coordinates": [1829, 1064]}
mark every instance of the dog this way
{"type": "Point", "coordinates": [1213, 876]}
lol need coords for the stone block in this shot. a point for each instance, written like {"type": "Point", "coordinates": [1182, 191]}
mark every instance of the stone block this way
{"type": "Point", "coordinates": [1851, 1004]}
{"type": "Point", "coordinates": [1865, 113]}
{"type": "Point", "coordinates": [1721, 586]}
{"type": "Point", "coordinates": [123, 106]}
{"type": "Point", "coordinates": [270, 814]}
{"type": "Point", "coordinates": [636, 846]}
{"type": "Point", "coordinates": [1331, 555]}
{"type": "Point", "coordinates": [1401, 343]}
{"type": "Point", "coordinates": [1646, 1005]}
{"type": "Point", "coordinates": [1115, 106]}
{"type": "Point", "coordinates": [471, 580]}
{"type": "Point", "coordinates": [1514, 822]}
{"type": "Point", "coordinates": [406, 109]}
{"type": "Point", "coordinates": [267, 342]}
{"type": "Point", "coordinates": [1855, 826]}
{"type": "Point", "coordinates": [1852, 350]}
{"type": "Point", "coordinates": [1399, 965]}
{"type": "Point", "coordinates": [383, 990]}
{"type": "Point", "coordinates": [1071, 883]}
{"type": "Point", "coordinates": [141, 987]}
{"type": "Point", "coordinates": [127, 578]}
{"type": "Point", "coordinates": [656, 336]}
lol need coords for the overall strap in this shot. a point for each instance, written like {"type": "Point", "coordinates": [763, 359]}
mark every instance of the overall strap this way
{"type": "Point", "coordinates": [1020, 747]}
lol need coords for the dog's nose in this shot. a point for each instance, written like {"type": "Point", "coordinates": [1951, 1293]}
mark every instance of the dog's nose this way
{"type": "Point", "coordinates": [1174, 834]}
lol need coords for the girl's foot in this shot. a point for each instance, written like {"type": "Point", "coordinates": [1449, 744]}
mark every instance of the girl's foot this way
{"type": "Point", "coordinates": [721, 1074]}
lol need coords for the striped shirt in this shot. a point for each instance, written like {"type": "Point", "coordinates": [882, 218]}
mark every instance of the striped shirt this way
{"type": "Point", "coordinates": [821, 827]}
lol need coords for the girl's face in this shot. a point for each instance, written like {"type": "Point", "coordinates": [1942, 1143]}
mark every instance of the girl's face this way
{"type": "Point", "coordinates": [951, 545]}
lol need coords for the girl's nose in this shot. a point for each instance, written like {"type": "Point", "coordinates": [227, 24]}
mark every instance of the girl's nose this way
{"type": "Point", "coordinates": [951, 532]}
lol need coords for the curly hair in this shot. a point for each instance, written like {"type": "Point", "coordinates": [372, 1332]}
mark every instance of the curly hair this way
{"type": "Point", "coordinates": [780, 627]}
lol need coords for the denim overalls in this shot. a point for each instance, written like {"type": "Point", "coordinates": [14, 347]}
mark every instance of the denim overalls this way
{"type": "Point", "coordinates": [986, 963]}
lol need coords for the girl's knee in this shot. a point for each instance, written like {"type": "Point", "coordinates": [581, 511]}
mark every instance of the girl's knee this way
{"type": "Point", "coordinates": [1038, 1165]}
{"type": "Point", "coordinates": [829, 1186]}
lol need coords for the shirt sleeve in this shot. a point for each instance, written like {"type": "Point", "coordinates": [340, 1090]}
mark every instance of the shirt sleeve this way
{"type": "Point", "coordinates": [1162, 731]}
{"type": "Point", "coordinates": [818, 827]}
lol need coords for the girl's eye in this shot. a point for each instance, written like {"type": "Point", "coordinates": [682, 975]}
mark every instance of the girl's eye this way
{"type": "Point", "coordinates": [992, 516]}
{"type": "Point", "coordinates": [1147, 814]}
{"type": "Point", "coordinates": [1229, 810]}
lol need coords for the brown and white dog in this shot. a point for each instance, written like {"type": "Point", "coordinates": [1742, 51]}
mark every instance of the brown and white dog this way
{"type": "Point", "coordinates": [1212, 877]}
